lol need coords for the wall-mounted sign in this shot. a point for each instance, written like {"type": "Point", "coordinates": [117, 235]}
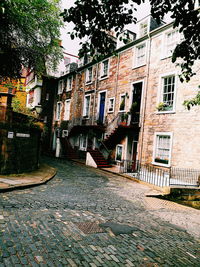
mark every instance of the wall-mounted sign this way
{"type": "Point", "coordinates": [10, 135]}
{"type": "Point", "coordinates": [22, 135]}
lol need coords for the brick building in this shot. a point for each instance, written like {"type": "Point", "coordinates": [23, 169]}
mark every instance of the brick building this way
{"type": "Point", "coordinates": [129, 106]}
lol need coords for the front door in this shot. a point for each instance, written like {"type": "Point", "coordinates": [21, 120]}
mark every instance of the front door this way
{"type": "Point", "coordinates": [134, 155]}
{"type": "Point", "coordinates": [102, 107]}
{"type": "Point", "coordinates": [136, 102]}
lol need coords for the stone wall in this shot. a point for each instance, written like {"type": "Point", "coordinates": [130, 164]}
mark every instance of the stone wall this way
{"type": "Point", "coordinates": [19, 150]}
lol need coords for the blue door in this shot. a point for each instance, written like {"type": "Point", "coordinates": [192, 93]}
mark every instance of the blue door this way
{"type": "Point", "coordinates": [102, 106]}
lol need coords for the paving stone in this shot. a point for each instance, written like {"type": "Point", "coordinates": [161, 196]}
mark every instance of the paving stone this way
{"type": "Point", "coordinates": [40, 223]}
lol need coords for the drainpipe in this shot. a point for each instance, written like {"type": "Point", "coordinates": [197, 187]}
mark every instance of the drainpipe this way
{"type": "Point", "coordinates": [145, 99]}
{"type": "Point", "coordinates": [95, 92]}
{"type": "Point", "coordinates": [116, 81]}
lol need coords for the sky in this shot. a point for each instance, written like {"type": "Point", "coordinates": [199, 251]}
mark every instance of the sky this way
{"type": "Point", "coordinates": [72, 46]}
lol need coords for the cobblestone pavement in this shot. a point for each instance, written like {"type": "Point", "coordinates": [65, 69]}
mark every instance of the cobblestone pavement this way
{"type": "Point", "coordinates": [87, 217]}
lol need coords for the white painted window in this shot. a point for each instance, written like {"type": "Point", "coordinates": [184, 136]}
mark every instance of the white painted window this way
{"type": "Point", "coordinates": [122, 102]}
{"type": "Point", "coordinates": [119, 152]}
{"type": "Point", "coordinates": [60, 87]}
{"type": "Point", "coordinates": [167, 97]}
{"type": "Point", "coordinates": [69, 83]}
{"type": "Point", "coordinates": [104, 68]}
{"type": "Point", "coordinates": [140, 55]}
{"type": "Point", "coordinates": [67, 110]}
{"type": "Point", "coordinates": [162, 149]}
{"type": "Point", "coordinates": [58, 110]}
{"type": "Point", "coordinates": [143, 28]}
{"type": "Point", "coordinates": [111, 104]}
{"type": "Point", "coordinates": [171, 39]}
{"type": "Point", "coordinates": [86, 109]}
{"type": "Point", "coordinates": [89, 75]}
{"type": "Point", "coordinates": [83, 142]}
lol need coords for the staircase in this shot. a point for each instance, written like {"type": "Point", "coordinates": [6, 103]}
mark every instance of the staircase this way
{"type": "Point", "coordinates": [68, 151]}
{"type": "Point", "coordinates": [99, 158]}
{"type": "Point", "coordinates": [115, 136]}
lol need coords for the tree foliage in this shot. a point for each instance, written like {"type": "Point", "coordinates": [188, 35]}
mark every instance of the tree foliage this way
{"type": "Point", "coordinates": [94, 19]}
{"type": "Point", "coordinates": [187, 19]}
{"type": "Point", "coordinates": [29, 35]}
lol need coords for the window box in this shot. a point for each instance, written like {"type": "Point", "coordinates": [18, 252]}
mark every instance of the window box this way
{"type": "Point", "coordinates": [163, 161]}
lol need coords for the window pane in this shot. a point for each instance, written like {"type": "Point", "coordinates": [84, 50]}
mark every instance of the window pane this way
{"type": "Point", "coordinates": [162, 149]}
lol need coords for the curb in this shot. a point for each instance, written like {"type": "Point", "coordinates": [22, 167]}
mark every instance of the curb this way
{"type": "Point", "coordinates": [52, 172]}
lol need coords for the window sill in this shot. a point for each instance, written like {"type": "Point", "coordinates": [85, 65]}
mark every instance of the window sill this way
{"type": "Point", "coordinates": [103, 78]}
{"type": "Point", "coordinates": [138, 66]}
{"type": "Point", "coordinates": [122, 111]}
{"type": "Point", "coordinates": [88, 82]}
{"type": "Point", "coordinates": [161, 164]}
{"type": "Point", "coordinates": [110, 111]}
{"type": "Point", "coordinates": [166, 112]}
{"type": "Point", "coordinates": [68, 90]}
{"type": "Point", "coordinates": [165, 57]}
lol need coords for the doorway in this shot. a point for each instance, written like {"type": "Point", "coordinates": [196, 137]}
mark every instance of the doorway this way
{"type": "Point", "coordinates": [102, 99]}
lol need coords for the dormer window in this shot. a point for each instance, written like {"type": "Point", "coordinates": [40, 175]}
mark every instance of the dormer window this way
{"type": "Point", "coordinates": [143, 28]}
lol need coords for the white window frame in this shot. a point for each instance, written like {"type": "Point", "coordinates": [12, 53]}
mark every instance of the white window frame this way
{"type": "Point", "coordinates": [84, 106]}
{"type": "Point", "coordinates": [164, 53]}
{"type": "Point", "coordinates": [81, 147]}
{"type": "Point", "coordinates": [109, 106]}
{"type": "Point", "coordinates": [58, 116]}
{"type": "Point", "coordinates": [119, 145]}
{"type": "Point", "coordinates": [160, 95]}
{"type": "Point", "coordinates": [135, 51]}
{"type": "Point", "coordinates": [121, 95]}
{"type": "Point", "coordinates": [60, 86]}
{"type": "Point", "coordinates": [69, 84]}
{"type": "Point", "coordinates": [170, 134]}
{"type": "Point", "coordinates": [87, 75]}
{"type": "Point", "coordinates": [102, 74]}
{"type": "Point", "coordinates": [67, 115]}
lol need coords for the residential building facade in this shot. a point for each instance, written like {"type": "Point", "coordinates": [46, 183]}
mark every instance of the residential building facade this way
{"type": "Point", "coordinates": [129, 106]}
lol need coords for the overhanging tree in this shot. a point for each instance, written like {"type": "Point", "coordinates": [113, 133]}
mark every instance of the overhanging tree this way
{"type": "Point", "coordinates": [94, 19]}
{"type": "Point", "coordinates": [29, 33]}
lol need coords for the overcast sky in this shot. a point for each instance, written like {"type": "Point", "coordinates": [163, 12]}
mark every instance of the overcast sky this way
{"type": "Point", "coordinates": [72, 46]}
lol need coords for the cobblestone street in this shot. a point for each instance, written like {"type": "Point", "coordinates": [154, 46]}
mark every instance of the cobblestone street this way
{"type": "Point", "coordinates": [87, 217]}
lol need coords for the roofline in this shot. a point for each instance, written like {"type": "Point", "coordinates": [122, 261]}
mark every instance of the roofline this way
{"type": "Point", "coordinates": [123, 48]}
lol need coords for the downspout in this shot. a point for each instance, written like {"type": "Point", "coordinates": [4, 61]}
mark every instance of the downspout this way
{"type": "Point", "coordinates": [145, 99]}
{"type": "Point", "coordinates": [95, 92]}
{"type": "Point", "coordinates": [116, 82]}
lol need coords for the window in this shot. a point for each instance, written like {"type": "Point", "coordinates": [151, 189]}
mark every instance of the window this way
{"type": "Point", "coordinates": [89, 75]}
{"type": "Point", "coordinates": [140, 55]}
{"type": "Point", "coordinates": [167, 99]}
{"type": "Point", "coordinates": [47, 96]}
{"type": "Point", "coordinates": [170, 41]}
{"type": "Point", "coordinates": [58, 111]}
{"type": "Point", "coordinates": [162, 149]}
{"type": "Point", "coordinates": [86, 110]}
{"type": "Point", "coordinates": [122, 103]}
{"type": "Point", "coordinates": [69, 83]}
{"type": "Point", "coordinates": [60, 86]}
{"type": "Point", "coordinates": [118, 154]}
{"type": "Point", "coordinates": [104, 68]}
{"type": "Point", "coordinates": [111, 104]}
{"type": "Point", "coordinates": [67, 110]}
{"type": "Point", "coordinates": [83, 142]}
{"type": "Point", "coordinates": [143, 28]}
